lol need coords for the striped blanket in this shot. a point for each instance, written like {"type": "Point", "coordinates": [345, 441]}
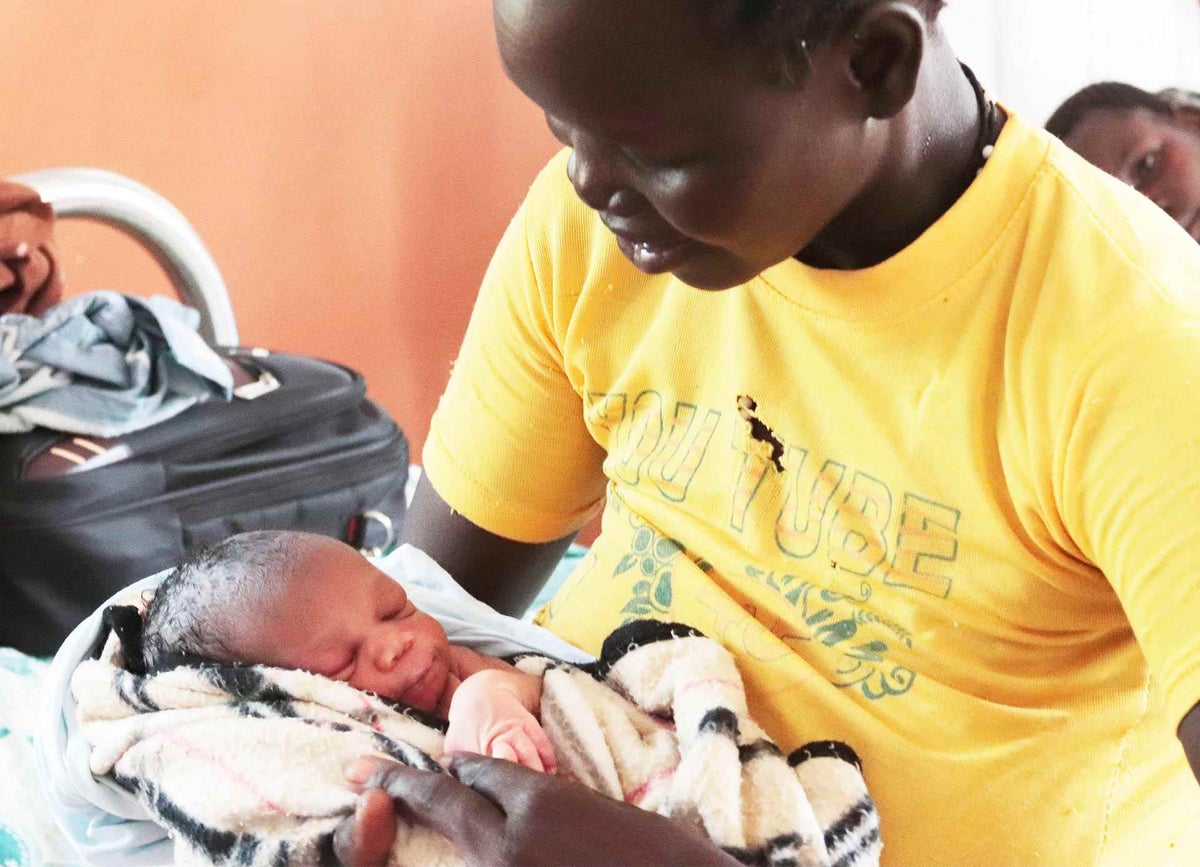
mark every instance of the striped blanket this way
{"type": "Point", "coordinates": [243, 764]}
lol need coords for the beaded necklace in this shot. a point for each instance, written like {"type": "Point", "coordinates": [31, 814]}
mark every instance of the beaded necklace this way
{"type": "Point", "coordinates": [991, 120]}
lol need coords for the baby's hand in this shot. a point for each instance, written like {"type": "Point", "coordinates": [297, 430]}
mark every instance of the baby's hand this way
{"type": "Point", "coordinates": [487, 718]}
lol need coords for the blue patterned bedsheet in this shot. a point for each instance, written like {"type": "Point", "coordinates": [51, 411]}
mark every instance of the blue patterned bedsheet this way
{"type": "Point", "coordinates": [28, 836]}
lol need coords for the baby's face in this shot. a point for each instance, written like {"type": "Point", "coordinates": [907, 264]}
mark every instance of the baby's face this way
{"type": "Point", "coordinates": [339, 616]}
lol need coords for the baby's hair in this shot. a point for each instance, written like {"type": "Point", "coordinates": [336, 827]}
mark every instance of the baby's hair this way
{"type": "Point", "coordinates": [189, 619]}
{"type": "Point", "coordinates": [1117, 96]}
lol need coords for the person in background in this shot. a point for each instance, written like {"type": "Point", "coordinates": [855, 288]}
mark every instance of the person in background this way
{"type": "Point", "coordinates": [880, 386]}
{"type": "Point", "coordinates": [1151, 141]}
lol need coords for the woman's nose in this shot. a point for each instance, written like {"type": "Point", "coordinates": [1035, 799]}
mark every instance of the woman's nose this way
{"type": "Point", "coordinates": [391, 645]}
{"type": "Point", "coordinates": [1163, 195]}
{"type": "Point", "coordinates": [1167, 204]}
{"type": "Point", "coordinates": [599, 182]}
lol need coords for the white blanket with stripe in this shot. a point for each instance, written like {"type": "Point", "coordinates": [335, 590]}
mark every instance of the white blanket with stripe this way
{"type": "Point", "coordinates": [243, 765]}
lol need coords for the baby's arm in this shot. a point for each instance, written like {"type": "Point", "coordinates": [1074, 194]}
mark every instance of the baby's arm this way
{"type": "Point", "coordinates": [494, 713]}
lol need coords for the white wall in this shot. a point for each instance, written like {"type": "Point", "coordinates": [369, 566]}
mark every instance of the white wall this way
{"type": "Point", "coordinates": [1033, 54]}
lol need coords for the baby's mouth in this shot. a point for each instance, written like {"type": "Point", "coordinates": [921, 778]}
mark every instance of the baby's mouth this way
{"type": "Point", "coordinates": [418, 693]}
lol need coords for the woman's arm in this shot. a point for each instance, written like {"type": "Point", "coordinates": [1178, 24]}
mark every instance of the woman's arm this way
{"type": "Point", "coordinates": [499, 813]}
{"type": "Point", "coordinates": [505, 574]}
{"type": "Point", "coordinates": [1189, 736]}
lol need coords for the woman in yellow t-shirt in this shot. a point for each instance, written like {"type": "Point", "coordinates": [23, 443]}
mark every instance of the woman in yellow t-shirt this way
{"type": "Point", "coordinates": [877, 384]}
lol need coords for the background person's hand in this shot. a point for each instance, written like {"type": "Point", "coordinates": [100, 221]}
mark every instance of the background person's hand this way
{"type": "Point", "coordinates": [499, 813]}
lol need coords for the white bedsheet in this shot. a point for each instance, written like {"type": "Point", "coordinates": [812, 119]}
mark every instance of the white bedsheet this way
{"type": "Point", "coordinates": [108, 827]}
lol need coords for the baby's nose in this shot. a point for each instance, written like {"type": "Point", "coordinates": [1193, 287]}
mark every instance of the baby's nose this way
{"type": "Point", "coordinates": [391, 648]}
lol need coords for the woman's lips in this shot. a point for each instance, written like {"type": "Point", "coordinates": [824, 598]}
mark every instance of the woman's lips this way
{"type": "Point", "coordinates": [655, 257]}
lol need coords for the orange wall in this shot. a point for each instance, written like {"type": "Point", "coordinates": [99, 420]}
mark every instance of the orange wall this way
{"type": "Point", "coordinates": [350, 163]}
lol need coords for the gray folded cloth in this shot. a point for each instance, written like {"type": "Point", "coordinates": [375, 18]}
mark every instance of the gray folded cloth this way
{"type": "Point", "coordinates": [104, 364]}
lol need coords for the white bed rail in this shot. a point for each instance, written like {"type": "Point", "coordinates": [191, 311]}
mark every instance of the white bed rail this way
{"type": "Point", "coordinates": [144, 215]}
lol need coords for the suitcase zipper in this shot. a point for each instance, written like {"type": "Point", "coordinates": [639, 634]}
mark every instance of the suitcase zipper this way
{"type": "Point", "coordinates": [323, 474]}
{"type": "Point", "coordinates": [282, 483]}
{"type": "Point", "coordinates": [216, 444]}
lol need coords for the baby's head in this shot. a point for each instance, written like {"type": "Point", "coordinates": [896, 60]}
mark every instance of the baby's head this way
{"type": "Point", "coordinates": [1151, 141]}
{"type": "Point", "coordinates": [297, 600]}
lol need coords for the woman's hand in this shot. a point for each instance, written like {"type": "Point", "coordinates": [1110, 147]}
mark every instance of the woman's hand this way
{"type": "Point", "coordinates": [499, 813]}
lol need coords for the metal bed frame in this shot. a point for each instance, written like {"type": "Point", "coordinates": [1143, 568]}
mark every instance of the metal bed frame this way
{"type": "Point", "coordinates": [144, 215]}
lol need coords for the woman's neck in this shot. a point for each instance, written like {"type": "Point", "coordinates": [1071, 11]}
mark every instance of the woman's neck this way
{"type": "Point", "coordinates": [932, 157]}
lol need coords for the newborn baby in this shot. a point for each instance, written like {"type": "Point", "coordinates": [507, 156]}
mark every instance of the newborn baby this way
{"type": "Point", "coordinates": [250, 761]}
{"type": "Point", "coordinates": [302, 601]}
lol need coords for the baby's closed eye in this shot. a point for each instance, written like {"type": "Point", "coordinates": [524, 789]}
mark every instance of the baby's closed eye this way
{"type": "Point", "coordinates": [398, 609]}
{"type": "Point", "coordinates": [344, 671]}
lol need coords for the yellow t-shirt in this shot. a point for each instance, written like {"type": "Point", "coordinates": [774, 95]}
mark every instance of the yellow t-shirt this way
{"type": "Point", "coordinates": [962, 533]}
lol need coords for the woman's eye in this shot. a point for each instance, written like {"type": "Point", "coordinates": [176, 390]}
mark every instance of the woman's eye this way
{"type": "Point", "coordinates": [1145, 167]}
{"type": "Point", "coordinates": [656, 162]}
{"type": "Point", "coordinates": [558, 130]}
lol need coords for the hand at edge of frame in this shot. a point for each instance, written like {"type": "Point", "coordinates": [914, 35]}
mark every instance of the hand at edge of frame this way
{"type": "Point", "coordinates": [499, 813]}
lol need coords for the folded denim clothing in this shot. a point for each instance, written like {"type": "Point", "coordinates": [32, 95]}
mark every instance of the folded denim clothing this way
{"type": "Point", "coordinates": [104, 364]}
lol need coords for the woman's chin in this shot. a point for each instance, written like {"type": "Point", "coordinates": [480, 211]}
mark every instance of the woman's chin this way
{"type": "Point", "coordinates": [714, 271]}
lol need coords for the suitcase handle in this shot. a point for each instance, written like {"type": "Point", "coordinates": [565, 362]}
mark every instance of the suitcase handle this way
{"type": "Point", "coordinates": [144, 215]}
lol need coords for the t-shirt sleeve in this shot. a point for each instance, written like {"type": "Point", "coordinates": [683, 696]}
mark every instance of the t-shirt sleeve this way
{"type": "Point", "coordinates": [1129, 479]}
{"type": "Point", "coordinates": [508, 447]}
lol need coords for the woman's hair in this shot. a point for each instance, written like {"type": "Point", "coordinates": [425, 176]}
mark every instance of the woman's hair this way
{"type": "Point", "coordinates": [809, 21]}
{"type": "Point", "coordinates": [1117, 96]}
{"type": "Point", "coordinates": [791, 28]}
{"type": "Point", "coordinates": [189, 619]}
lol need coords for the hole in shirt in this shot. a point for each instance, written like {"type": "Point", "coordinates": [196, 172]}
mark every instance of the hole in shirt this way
{"type": "Point", "coordinates": [759, 432]}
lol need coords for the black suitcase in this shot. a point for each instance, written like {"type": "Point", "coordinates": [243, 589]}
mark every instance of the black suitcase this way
{"type": "Point", "coordinates": [80, 517]}
{"type": "Point", "coordinates": [300, 447]}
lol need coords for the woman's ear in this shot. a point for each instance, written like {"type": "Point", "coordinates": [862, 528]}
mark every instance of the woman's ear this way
{"type": "Point", "coordinates": [884, 47]}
